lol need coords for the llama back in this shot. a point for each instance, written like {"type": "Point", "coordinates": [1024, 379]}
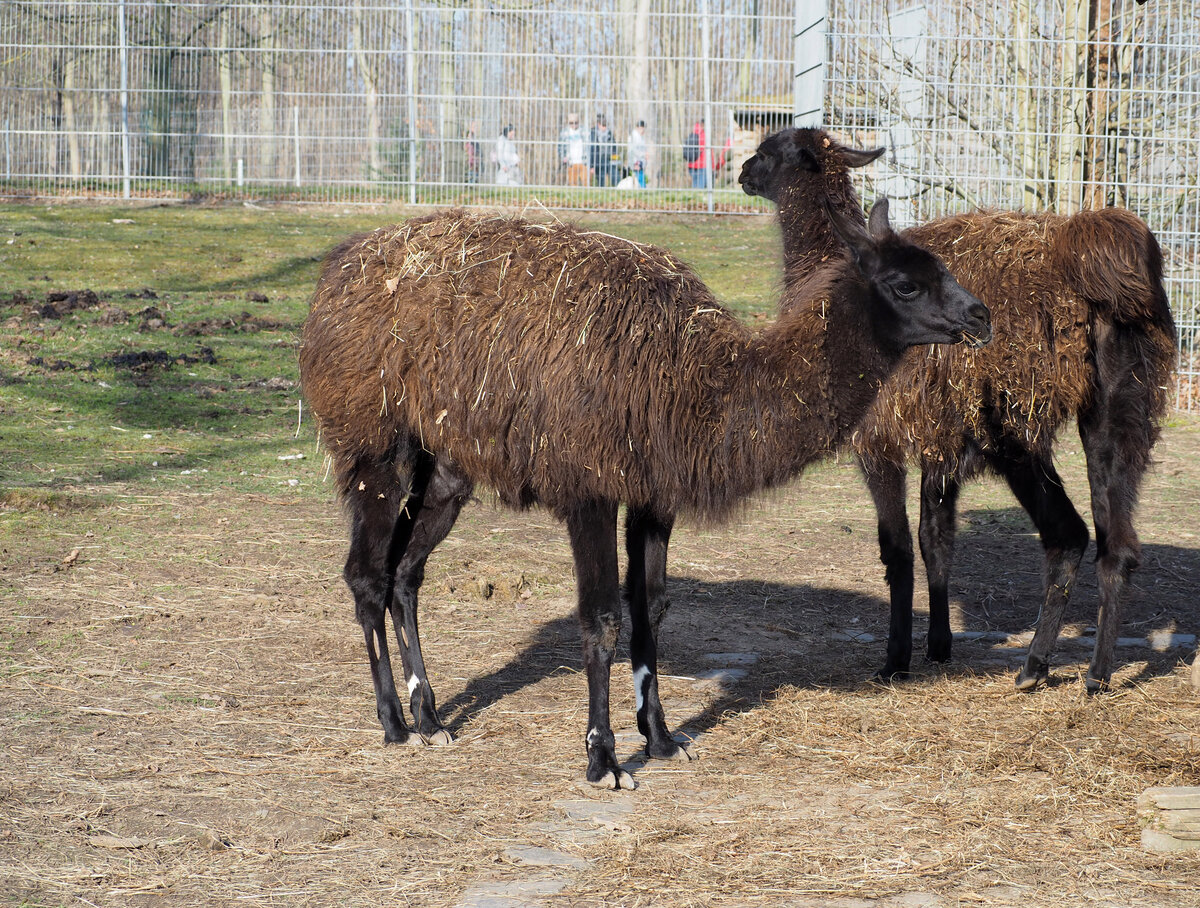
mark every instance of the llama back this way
{"type": "Point", "coordinates": [528, 354]}
{"type": "Point", "coordinates": [1032, 377]}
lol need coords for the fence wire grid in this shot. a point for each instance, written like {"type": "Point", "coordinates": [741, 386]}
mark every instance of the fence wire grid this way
{"type": "Point", "coordinates": [1036, 104]}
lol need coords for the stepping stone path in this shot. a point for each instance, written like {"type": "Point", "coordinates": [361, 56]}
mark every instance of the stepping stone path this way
{"type": "Point", "coordinates": [594, 815]}
{"type": "Point", "coordinates": [583, 821]}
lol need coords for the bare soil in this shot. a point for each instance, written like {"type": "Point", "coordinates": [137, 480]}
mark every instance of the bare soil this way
{"type": "Point", "coordinates": [187, 715]}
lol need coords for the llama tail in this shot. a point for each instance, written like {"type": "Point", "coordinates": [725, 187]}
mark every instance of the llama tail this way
{"type": "Point", "coordinates": [1112, 260]}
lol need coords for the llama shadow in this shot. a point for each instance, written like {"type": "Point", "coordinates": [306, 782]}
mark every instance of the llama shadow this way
{"type": "Point", "coordinates": [822, 638]}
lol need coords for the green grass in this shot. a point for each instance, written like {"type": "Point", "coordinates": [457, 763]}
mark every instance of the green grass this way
{"type": "Point", "coordinates": [104, 401]}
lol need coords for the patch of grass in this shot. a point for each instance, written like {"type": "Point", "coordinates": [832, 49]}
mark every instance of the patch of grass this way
{"type": "Point", "coordinates": [181, 371]}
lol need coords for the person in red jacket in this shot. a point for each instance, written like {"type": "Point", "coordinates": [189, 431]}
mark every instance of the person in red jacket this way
{"type": "Point", "coordinates": [695, 153]}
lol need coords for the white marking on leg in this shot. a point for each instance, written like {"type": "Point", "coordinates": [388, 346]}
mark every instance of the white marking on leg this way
{"type": "Point", "coordinates": [413, 683]}
{"type": "Point", "coordinates": [641, 683]}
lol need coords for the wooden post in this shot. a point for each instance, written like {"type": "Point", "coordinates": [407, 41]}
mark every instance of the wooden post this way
{"type": "Point", "coordinates": [1170, 819]}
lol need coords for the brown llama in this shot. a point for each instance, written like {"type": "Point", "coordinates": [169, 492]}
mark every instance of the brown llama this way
{"type": "Point", "coordinates": [1082, 329]}
{"type": "Point", "coordinates": [578, 371]}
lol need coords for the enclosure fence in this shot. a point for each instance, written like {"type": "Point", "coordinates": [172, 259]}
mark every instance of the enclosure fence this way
{"type": "Point", "coordinates": [1040, 104]}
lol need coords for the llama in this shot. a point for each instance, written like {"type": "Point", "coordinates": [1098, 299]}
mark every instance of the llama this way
{"type": "Point", "coordinates": [1082, 329]}
{"type": "Point", "coordinates": [578, 371]}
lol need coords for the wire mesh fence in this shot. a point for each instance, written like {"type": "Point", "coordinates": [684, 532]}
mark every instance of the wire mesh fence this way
{"type": "Point", "coordinates": [1055, 104]}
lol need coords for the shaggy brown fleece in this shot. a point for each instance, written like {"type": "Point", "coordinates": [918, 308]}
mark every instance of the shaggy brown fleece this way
{"type": "Point", "coordinates": [1047, 279]}
{"type": "Point", "coordinates": [557, 365]}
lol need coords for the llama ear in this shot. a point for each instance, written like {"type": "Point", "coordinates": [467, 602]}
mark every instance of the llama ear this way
{"type": "Point", "coordinates": [878, 222]}
{"type": "Point", "coordinates": [850, 230]}
{"type": "Point", "coordinates": [859, 157]}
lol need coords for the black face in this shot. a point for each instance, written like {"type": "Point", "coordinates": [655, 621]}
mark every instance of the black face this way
{"type": "Point", "coordinates": [794, 154]}
{"type": "Point", "coordinates": [924, 303]}
{"type": "Point", "coordinates": [763, 172]}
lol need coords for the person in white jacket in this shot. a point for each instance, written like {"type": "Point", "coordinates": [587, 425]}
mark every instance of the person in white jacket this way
{"type": "Point", "coordinates": [506, 159]}
{"type": "Point", "coordinates": [638, 154]}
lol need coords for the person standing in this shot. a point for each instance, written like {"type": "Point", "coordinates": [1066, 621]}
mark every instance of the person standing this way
{"type": "Point", "coordinates": [639, 153]}
{"type": "Point", "coordinates": [695, 154]}
{"type": "Point", "coordinates": [506, 158]}
{"type": "Point", "coordinates": [573, 151]}
{"type": "Point", "coordinates": [473, 153]}
{"type": "Point", "coordinates": [603, 149]}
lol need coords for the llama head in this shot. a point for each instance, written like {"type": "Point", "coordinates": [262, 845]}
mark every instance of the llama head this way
{"type": "Point", "coordinates": [796, 157]}
{"type": "Point", "coordinates": [913, 299]}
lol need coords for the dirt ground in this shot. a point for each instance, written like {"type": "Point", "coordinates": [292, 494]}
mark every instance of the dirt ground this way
{"type": "Point", "coordinates": [187, 716]}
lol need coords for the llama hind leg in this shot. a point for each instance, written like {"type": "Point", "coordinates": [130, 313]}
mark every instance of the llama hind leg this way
{"type": "Point", "coordinates": [374, 494]}
{"type": "Point", "coordinates": [1115, 469]}
{"type": "Point", "coordinates": [885, 482]}
{"type": "Point", "coordinates": [1064, 535]}
{"type": "Point", "coordinates": [433, 515]}
{"type": "Point", "coordinates": [593, 531]}
{"type": "Point", "coordinates": [646, 539]}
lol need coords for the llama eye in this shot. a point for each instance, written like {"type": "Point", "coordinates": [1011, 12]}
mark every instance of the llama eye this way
{"type": "Point", "coordinates": [905, 289]}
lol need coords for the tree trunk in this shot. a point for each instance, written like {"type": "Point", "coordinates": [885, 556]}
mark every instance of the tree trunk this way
{"type": "Point", "coordinates": [366, 72]}
{"type": "Point", "coordinates": [158, 111]}
{"type": "Point", "coordinates": [1027, 127]}
{"type": "Point", "coordinates": [452, 160]}
{"type": "Point", "coordinates": [70, 122]}
{"type": "Point", "coordinates": [1071, 110]}
{"type": "Point", "coordinates": [635, 39]}
{"type": "Point", "coordinates": [1102, 106]}
{"type": "Point", "coordinates": [266, 106]}
{"type": "Point", "coordinates": [225, 77]}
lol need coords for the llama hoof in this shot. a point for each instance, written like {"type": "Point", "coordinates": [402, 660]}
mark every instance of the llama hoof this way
{"type": "Point", "coordinates": [938, 652]}
{"type": "Point", "coordinates": [614, 780]}
{"type": "Point", "coordinates": [677, 752]}
{"type": "Point", "coordinates": [683, 755]}
{"type": "Point", "coordinates": [1097, 685]}
{"type": "Point", "coordinates": [1031, 679]}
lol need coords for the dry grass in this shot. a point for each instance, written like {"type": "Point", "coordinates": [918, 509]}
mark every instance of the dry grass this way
{"type": "Point", "coordinates": [187, 717]}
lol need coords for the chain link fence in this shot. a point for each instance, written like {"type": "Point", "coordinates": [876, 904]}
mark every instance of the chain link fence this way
{"type": "Point", "coordinates": [1057, 104]}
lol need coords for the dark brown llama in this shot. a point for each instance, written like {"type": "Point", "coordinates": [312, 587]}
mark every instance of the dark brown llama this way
{"type": "Point", "coordinates": [578, 371]}
{"type": "Point", "coordinates": [1082, 329]}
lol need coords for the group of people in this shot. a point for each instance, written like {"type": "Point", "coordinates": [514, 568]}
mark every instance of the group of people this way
{"type": "Point", "coordinates": [592, 158]}
{"type": "Point", "coordinates": [595, 160]}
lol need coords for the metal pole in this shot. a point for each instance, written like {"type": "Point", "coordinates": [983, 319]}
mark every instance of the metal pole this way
{"type": "Point", "coordinates": [7, 152]}
{"type": "Point", "coordinates": [124, 100]}
{"type": "Point", "coordinates": [410, 68]}
{"type": "Point", "coordinates": [705, 50]}
{"type": "Point", "coordinates": [296, 143]}
{"type": "Point", "coordinates": [808, 92]}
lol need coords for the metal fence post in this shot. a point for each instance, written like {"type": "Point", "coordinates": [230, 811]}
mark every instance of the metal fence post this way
{"type": "Point", "coordinates": [808, 99]}
{"type": "Point", "coordinates": [125, 170]}
{"type": "Point", "coordinates": [296, 139]}
{"type": "Point", "coordinates": [410, 72]}
{"type": "Point", "coordinates": [705, 52]}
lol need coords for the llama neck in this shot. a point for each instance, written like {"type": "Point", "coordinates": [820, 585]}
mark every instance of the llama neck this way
{"type": "Point", "coordinates": [808, 237]}
{"type": "Point", "coordinates": [802, 387]}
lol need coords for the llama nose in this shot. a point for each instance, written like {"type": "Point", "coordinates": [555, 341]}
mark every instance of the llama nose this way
{"type": "Point", "coordinates": [980, 315]}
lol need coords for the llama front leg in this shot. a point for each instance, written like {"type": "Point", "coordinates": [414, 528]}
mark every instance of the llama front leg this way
{"type": "Point", "coordinates": [646, 540]}
{"type": "Point", "coordinates": [433, 508]}
{"type": "Point", "coordinates": [373, 497]}
{"type": "Point", "coordinates": [1064, 535]}
{"type": "Point", "coordinates": [593, 530]}
{"type": "Point", "coordinates": [939, 500]}
{"type": "Point", "coordinates": [885, 482]}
